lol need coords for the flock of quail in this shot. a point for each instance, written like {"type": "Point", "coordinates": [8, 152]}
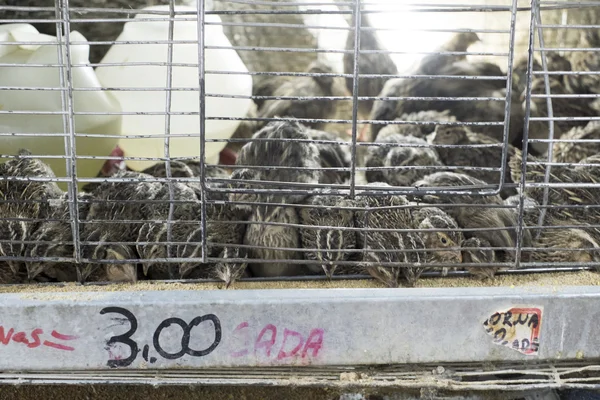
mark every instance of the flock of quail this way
{"type": "Point", "coordinates": [260, 222]}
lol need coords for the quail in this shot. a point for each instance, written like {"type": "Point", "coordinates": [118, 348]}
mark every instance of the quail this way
{"type": "Point", "coordinates": [332, 155]}
{"type": "Point", "coordinates": [280, 243]}
{"type": "Point", "coordinates": [479, 251]}
{"type": "Point", "coordinates": [567, 245]}
{"type": "Point", "coordinates": [114, 221]}
{"type": "Point", "coordinates": [282, 144]}
{"type": "Point", "coordinates": [53, 238]}
{"type": "Point", "coordinates": [331, 243]}
{"type": "Point", "coordinates": [398, 158]}
{"type": "Point", "coordinates": [561, 108]}
{"type": "Point", "coordinates": [561, 198]}
{"type": "Point", "coordinates": [307, 109]}
{"type": "Point", "coordinates": [572, 147]}
{"type": "Point", "coordinates": [483, 112]}
{"type": "Point", "coordinates": [481, 219]}
{"type": "Point", "coordinates": [390, 246]}
{"type": "Point", "coordinates": [186, 212]}
{"type": "Point", "coordinates": [531, 211]}
{"type": "Point", "coordinates": [431, 64]}
{"type": "Point", "coordinates": [267, 87]}
{"type": "Point", "coordinates": [24, 203]}
{"type": "Point", "coordinates": [471, 156]}
{"type": "Point", "coordinates": [368, 64]}
{"type": "Point", "coordinates": [585, 61]}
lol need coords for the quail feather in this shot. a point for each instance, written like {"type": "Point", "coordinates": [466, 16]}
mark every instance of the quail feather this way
{"type": "Point", "coordinates": [303, 86]}
{"type": "Point", "coordinates": [279, 244]}
{"type": "Point", "coordinates": [284, 144]}
{"type": "Point", "coordinates": [495, 224]}
{"type": "Point", "coordinates": [431, 64]}
{"type": "Point", "coordinates": [114, 221]}
{"type": "Point", "coordinates": [479, 251]}
{"type": "Point", "coordinates": [390, 213]}
{"type": "Point", "coordinates": [331, 242]}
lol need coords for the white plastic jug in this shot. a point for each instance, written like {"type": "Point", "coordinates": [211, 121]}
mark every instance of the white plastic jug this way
{"type": "Point", "coordinates": [45, 127]}
{"type": "Point", "coordinates": [144, 76]}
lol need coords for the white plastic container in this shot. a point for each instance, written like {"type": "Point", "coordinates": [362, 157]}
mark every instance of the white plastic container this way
{"type": "Point", "coordinates": [144, 76]}
{"type": "Point", "coordinates": [32, 101]}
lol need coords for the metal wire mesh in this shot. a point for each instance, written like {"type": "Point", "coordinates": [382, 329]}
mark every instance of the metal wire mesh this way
{"type": "Point", "coordinates": [398, 158]}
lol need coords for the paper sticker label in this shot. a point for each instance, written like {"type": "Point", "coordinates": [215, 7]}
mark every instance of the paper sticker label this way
{"type": "Point", "coordinates": [517, 328]}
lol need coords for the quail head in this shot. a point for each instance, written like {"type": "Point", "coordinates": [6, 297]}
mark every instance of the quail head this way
{"type": "Point", "coordinates": [482, 217]}
{"type": "Point", "coordinates": [279, 243]}
{"type": "Point", "coordinates": [378, 157]}
{"type": "Point", "coordinates": [304, 86]}
{"type": "Point", "coordinates": [441, 236]}
{"type": "Point", "coordinates": [284, 153]}
{"type": "Point", "coordinates": [431, 64]}
{"type": "Point", "coordinates": [479, 251]}
{"type": "Point", "coordinates": [330, 243]}
{"type": "Point", "coordinates": [332, 155]}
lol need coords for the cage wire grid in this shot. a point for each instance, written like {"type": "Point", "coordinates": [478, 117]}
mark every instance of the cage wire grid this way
{"type": "Point", "coordinates": [188, 205]}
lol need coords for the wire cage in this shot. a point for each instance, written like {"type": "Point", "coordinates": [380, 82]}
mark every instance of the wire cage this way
{"type": "Point", "coordinates": [235, 141]}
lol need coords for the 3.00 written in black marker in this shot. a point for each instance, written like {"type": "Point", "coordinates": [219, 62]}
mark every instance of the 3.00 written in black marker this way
{"type": "Point", "coordinates": [125, 339]}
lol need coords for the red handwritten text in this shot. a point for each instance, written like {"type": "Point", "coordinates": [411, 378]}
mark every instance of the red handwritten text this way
{"type": "Point", "coordinates": [34, 339]}
{"type": "Point", "coordinates": [276, 345]}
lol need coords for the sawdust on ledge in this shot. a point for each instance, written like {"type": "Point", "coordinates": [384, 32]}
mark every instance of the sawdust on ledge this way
{"type": "Point", "coordinates": [580, 278]}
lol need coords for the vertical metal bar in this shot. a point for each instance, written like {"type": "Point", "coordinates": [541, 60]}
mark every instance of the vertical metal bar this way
{"type": "Point", "coordinates": [509, 85]}
{"type": "Point", "coordinates": [356, 13]}
{"type": "Point", "coordinates": [202, 94]}
{"type": "Point", "coordinates": [525, 148]}
{"type": "Point", "coordinates": [538, 22]}
{"type": "Point", "coordinates": [169, 84]}
{"type": "Point", "coordinates": [66, 82]}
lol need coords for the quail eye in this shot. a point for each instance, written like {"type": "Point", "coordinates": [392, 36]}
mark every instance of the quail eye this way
{"type": "Point", "coordinates": [444, 240]}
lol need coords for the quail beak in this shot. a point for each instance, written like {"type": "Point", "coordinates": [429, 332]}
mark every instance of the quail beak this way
{"type": "Point", "coordinates": [146, 268]}
{"type": "Point", "coordinates": [329, 271]}
{"type": "Point", "coordinates": [228, 282]}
